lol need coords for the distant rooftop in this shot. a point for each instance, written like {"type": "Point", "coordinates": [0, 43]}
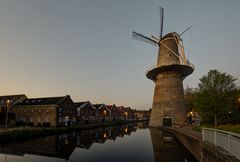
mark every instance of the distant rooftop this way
{"type": "Point", "coordinates": [42, 101]}
{"type": "Point", "coordinates": [12, 98]}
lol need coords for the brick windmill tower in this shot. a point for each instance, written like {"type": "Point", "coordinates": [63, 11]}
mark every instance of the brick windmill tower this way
{"type": "Point", "coordinates": [172, 67]}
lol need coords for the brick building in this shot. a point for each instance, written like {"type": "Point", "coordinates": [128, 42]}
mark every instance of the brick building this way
{"type": "Point", "coordinates": [104, 113]}
{"type": "Point", "coordinates": [7, 102]}
{"type": "Point", "coordinates": [86, 112]}
{"type": "Point", "coordinates": [115, 114]}
{"type": "Point", "coordinates": [143, 115]}
{"type": "Point", "coordinates": [127, 114]}
{"type": "Point", "coordinates": [50, 111]}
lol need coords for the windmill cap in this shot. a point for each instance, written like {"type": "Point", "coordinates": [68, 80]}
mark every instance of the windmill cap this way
{"type": "Point", "coordinates": [170, 35]}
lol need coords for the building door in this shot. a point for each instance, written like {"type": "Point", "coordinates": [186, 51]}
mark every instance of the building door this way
{"type": "Point", "coordinates": [167, 122]}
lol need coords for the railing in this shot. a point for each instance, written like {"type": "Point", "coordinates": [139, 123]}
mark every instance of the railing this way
{"type": "Point", "coordinates": [149, 69]}
{"type": "Point", "coordinates": [227, 140]}
{"type": "Point", "coordinates": [155, 66]}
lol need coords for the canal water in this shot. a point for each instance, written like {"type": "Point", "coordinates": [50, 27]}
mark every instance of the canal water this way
{"type": "Point", "coordinates": [129, 143]}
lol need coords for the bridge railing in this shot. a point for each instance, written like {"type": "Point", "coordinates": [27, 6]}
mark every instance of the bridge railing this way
{"type": "Point", "coordinates": [227, 140]}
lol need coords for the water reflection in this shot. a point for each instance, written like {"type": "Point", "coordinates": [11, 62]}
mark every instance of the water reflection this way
{"type": "Point", "coordinates": [62, 146]}
{"type": "Point", "coordinates": [124, 143]}
{"type": "Point", "coordinates": [166, 147]}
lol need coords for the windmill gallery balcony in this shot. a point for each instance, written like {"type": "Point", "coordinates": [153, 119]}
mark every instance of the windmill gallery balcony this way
{"type": "Point", "coordinates": [184, 69]}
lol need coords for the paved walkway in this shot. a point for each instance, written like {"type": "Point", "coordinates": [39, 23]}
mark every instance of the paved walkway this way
{"type": "Point", "coordinates": [188, 129]}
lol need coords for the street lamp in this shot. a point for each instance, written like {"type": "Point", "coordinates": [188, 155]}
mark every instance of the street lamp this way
{"type": "Point", "coordinates": [8, 102]}
{"type": "Point", "coordinates": [126, 115]}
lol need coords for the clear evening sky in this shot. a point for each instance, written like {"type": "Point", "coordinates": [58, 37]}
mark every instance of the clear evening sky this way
{"type": "Point", "coordinates": [84, 48]}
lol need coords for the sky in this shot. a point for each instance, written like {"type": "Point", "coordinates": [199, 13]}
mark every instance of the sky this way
{"type": "Point", "coordinates": [83, 48]}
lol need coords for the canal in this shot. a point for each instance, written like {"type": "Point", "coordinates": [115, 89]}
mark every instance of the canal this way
{"type": "Point", "coordinates": [129, 143]}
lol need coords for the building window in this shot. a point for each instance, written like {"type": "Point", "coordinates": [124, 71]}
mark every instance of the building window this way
{"type": "Point", "coordinates": [59, 119]}
{"type": "Point", "coordinates": [66, 118]}
{"type": "Point", "coordinates": [46, 119]}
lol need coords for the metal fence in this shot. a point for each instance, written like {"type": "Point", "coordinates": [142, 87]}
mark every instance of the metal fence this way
{"type": "Point", "coordinates": [227, 140]}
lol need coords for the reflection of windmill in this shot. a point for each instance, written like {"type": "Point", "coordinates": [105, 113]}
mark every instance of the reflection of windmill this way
{"type": "Point", "coordinates": [171, 68]}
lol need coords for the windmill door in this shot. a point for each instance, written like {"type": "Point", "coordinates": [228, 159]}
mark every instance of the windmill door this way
{"type": "Point", "coordinates": [167, 122]}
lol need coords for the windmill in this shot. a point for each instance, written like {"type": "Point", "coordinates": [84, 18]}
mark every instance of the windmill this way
{"type": "Point", "coordinates": [172, 67]}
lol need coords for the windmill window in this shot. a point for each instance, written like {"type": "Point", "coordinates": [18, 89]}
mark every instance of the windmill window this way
{"type": "Point", "coordinates": [170, 55]}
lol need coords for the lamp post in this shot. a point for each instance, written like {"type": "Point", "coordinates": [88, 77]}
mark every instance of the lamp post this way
{"type": "Point", "coordinates": [6, 125]}
{"type": "Point", "coordinates": [126, 115]}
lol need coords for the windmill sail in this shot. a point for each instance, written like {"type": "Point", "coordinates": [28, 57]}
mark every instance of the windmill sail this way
{"type": "Point", "coordinates": [161, 11]}
{"type": "Point", "coordinates": [143, 38]}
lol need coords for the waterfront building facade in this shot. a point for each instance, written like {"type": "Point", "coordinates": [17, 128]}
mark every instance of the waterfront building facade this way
{"type": "Point", "coordinates": [6, 103]}
{"type": "Point", "coordinates": [50, 111]}
{"type": "Point", "coordinates": [103, 113]}
{"type": "Point", "coordinates": [115, 114]}
{"type": "Point", "coordinates": [86, 112]}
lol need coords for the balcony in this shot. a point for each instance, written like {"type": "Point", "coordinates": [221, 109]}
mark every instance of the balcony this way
{"type": "Point", "coordinates": [184, 69]}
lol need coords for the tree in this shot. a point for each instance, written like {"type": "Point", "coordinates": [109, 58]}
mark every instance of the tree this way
{"type": "Point", "coordinates": [217, 97]}
{"type": "Point", "coordinates": [189, 98]}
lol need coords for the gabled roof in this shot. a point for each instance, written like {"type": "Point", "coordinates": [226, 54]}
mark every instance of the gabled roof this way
{"type": "Point", "coordinates": [81, 104]}
{"type": "Point", "coordinates": [42, 101]}
{"type": "Point", "coordinates": [84, 104]}
{"type": "Point", "coordinates": [120, 108]}
{"type": "Point", "coordinates": [126, 108]}
{"type": "Point", "coordinates": [99, 106]}
{"type": "Point", "coordinates": [13, 99]}
{"type": "Point", "coordinates": [111, 107]}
